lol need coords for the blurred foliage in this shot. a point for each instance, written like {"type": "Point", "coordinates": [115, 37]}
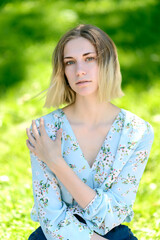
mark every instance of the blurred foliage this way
{"type": "Point", "coordinates": [29, 31]}
{"type": "Point", "coordinates": [132, 25]}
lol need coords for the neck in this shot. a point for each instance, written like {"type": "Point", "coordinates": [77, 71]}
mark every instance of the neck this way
{"type": "Point", "coordinates": [88, 110]}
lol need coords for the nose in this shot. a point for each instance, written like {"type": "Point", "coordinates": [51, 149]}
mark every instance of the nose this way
{"type": "Point", "coordinates": [80, 70]}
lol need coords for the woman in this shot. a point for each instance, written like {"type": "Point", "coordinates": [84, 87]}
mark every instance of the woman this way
{"type": "Point", "coordinates": [88, 157]}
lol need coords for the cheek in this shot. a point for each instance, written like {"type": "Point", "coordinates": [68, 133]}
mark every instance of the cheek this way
{"type": "Point", "coordinates": [69, 73]}
{"type": "Point", "coordinates": [66, 74]}
{"type": "Point", "coordinates": [95, 72]}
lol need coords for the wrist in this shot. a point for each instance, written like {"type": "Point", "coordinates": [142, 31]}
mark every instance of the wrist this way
{"type": "Point", "coordinates": [58, 165]}
{"type": "Point", "coordinates": [96, 236]}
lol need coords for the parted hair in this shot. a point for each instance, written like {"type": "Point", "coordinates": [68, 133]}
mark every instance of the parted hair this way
{"type": "Point", "coordinates": [109, 75]}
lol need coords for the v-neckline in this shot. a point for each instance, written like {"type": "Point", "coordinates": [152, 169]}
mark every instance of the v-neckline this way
{"type": "Point", "coordinates": [74, 136]}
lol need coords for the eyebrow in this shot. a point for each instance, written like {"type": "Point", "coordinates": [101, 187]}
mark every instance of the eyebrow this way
{"type": "Point", "coordinates": [82, 55]}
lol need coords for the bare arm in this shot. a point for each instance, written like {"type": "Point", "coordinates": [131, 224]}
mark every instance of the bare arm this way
{"type": "Point", "coordinates": [95, 236]}
{"type": "Point", "coordinates": [80, 191]}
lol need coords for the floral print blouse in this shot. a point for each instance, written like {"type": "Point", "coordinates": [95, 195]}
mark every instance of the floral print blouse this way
{"type": "Point", "coordinates": [114, 175]}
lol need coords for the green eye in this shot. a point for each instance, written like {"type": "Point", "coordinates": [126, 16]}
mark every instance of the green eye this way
{"type": "Point", "coordinates": [90, 58]}
{"type": "Point", "coordinates": [69, 62]}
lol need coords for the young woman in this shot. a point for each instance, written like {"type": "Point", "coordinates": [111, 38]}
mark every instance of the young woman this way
{"type": "Point", "coordinates": [88, 157]}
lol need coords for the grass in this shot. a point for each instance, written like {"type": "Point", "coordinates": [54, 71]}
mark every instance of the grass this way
{"type": "Point", "coordinates": [28, 39]}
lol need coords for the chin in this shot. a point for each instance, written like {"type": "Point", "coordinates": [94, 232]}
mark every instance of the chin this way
{"type": "Point", "coordinates": [86, 92]}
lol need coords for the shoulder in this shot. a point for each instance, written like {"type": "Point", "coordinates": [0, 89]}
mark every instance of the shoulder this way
{"type": "Point", "coordinates": [51, 117]}
{"type": "Point", "coordinates": [52, 120]}
{"type": "Point", "coordinates": [136, 124]}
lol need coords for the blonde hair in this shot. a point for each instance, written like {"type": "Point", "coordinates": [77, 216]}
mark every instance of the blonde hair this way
{"type": "Point", "coordinates": [109, 81]}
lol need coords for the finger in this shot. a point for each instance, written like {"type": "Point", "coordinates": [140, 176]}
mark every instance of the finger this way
{"type": "Point", "coordinates": [30, 136]}
{"type": "Point", "coordinates": [35, 130]}
{"type": "Point", "coordinates": [32, 149]}
{"type": "Point", "coordinates": [41, 127]}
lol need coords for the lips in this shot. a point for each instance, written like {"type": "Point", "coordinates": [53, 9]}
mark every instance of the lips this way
{"type": "Point", "coordinates": [83, 81]}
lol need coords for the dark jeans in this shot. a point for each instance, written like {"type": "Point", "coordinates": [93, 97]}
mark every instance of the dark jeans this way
{"type": "Point", "coordinates": [121, 232]}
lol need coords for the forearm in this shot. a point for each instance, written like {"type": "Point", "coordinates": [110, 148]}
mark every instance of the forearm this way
{"type": "Point", "coordinates": [95, 236]}
{"type": "Point", "coordinates": [80, 191]}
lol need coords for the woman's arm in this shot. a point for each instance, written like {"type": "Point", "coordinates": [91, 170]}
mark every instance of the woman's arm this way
{"type": "Point", "coordinates": [52, 213]}
{"type": "Point", "coordinates": [116, 195]}
{"type": "Point", "coordinates": [49, 151]}
{"type": "Point", "coordinates": [54, 216]}
{"type": "Point", "coordinates": [80, 191]}
{"type": "Point", "coordinates": [95, 236]}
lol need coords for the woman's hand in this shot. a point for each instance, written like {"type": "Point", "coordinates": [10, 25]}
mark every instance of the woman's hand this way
{"type": "Point", "coordinates": [44, 148]}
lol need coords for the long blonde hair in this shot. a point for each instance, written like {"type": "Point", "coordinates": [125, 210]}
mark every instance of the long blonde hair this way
{"type": "Point", "coordinates": [109, 84]}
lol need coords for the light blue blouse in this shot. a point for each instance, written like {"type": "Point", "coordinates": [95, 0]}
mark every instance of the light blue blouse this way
{"type": "Point", "coordinates": [114, 175]}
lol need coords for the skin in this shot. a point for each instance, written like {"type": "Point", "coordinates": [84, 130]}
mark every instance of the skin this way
{"type": "Point", "coordinates": [79, 65]}
{"type": "Point", "coordinates": [45, 148]}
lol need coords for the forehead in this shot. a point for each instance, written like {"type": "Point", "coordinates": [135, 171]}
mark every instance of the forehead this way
{"type": "Point", "coordinates": [78, 46]}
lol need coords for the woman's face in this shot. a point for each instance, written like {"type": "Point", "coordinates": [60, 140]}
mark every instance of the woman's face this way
{"type": "Point", "coordinates": [81, 65]}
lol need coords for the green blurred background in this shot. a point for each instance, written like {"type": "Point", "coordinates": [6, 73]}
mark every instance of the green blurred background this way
{"type": "Point", "coordinates": [29, 31]}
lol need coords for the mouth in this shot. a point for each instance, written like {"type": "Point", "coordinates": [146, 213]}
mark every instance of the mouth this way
{"type": "Point", "coordinates": [83, 82]}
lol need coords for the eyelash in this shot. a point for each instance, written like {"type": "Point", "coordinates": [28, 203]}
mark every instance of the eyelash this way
{"type": "Point", "coordinates": [92, 58]}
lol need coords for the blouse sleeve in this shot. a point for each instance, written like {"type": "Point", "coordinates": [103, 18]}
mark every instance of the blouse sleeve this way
{"type": "Point", "coordinates": [113, 205]}
{"type": "Point", "coordinates": [55, 219]}
{"type": "Point", "coordinates": [53, 214]}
